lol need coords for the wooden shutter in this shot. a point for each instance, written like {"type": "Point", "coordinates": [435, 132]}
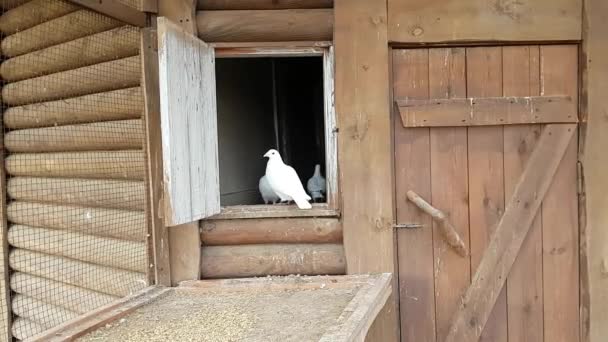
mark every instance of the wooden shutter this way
{"type": "Point", "coordinates": [188, 125]}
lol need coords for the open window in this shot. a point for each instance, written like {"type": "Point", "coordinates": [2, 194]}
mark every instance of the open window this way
{"type": "Point", "coordinates": [219, 117]}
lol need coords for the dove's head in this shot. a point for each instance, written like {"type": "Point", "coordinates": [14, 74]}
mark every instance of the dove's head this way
{"type": "Point", "coordinates": [272, 154]}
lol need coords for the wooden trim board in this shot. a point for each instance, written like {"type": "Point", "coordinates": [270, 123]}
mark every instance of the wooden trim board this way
{"type": "Point", "coordinates": [487, 111]}
{"type": "Point", "coordinates": [273, 211]}
{"type": "Point", "coordinates": [116, 10]}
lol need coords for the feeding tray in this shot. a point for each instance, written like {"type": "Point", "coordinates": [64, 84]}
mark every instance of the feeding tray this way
{"type": "Point", "coordinates": [292, 308]}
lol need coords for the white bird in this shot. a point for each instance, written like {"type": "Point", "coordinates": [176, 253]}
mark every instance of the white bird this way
{"type": "Point", "coordinates": [284, 180]}
{"type": "Point", "coordinates": [268, 195]}
{"type": "Point", "coordinates": [316, 184]}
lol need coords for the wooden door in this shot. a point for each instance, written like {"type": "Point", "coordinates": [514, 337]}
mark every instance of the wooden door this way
{"type": "Point", "coordinates": [468, 164]}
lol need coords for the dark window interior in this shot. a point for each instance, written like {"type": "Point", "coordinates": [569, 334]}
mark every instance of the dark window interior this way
{"type": "Point", "coordinates": [266, 103]}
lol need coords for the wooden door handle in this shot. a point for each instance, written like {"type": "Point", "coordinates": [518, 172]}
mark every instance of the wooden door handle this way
{"type": "Point", "coordinates": [449, 232]}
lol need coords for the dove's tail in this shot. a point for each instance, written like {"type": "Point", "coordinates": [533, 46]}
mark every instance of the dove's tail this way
{"type": "Point", "coordinates": [302, 203]}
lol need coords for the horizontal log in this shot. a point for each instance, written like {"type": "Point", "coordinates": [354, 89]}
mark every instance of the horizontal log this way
{"type": "Point", "coordinates": [69, 297]}
{"type": "Point", "coordinates": [117, 74]}
{"type": "Point", "coordinates": [262, 231]}
{"type": "Point", "coordinates": [8, 4]}
{"type": "Point", "coordinates": [126, 255]}
{"type": "Point", "coordinates": [265, 26]}
{"type": "Point", "coordinates": [98, 278]}
{"type": "Point", "coordinates": [262, 4]}
{"type": "Point", "coordinates": [127, 165]}
{"type": "Point", "coordinates": [102, 47]}
{"type": "Point", "coordinates": [488, 111]}
{"type": "Point", "coordinates": [23, 328]}
{"type": "Point", "coordinates": [60, 30]}
{"type": "Point", "coordinates": [82, 192]}
{"type": "Point", "coordinates": [109, 135]}
{"type": "Point", "coordinates": [45, 314]}
{"type": "Point", "coordinates": [112, 105]}
{"type": "Point", "coordinates": [33, 13]}
{"type": "Point", "coordinates": [119, 224]}
{"type": "Point", "coordinates": [262, 260]}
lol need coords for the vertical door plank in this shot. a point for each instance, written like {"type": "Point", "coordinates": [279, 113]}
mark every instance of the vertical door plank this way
{"type": "Point", "coordinates": [486, 191]}
{"type": "Point", "coordinates": [449, 187]}
{"type": "Point", "coordinates": [413, 172]}
{"type": "Point", "coordinates": [559, 75]}
{"type": "Point", "coordinates": [521, 77]}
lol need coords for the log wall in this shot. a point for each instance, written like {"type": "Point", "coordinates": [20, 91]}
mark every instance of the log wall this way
{"type": "Point", "coordinates": [73, 136]}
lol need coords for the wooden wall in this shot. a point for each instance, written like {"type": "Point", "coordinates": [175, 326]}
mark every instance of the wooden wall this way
{"type": "Point", "coordinates": [75, 162]}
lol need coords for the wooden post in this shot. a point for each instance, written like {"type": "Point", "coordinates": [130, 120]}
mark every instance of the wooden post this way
{"type": "Point", "coordinates": [594, 235]}
{"type": "Point", "coordinates": [5, 298]}
{"type": "Point", "coordinates": [365, 154]}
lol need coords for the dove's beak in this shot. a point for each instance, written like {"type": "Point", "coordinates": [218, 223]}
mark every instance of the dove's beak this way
{"type": "Point", "coordinates": [266, 155]}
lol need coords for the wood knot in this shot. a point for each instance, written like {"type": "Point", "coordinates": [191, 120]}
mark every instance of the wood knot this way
{"type": "Point", "coordinates": [417, 31]}
{"type": "Point", "coordinates": [365, 67]}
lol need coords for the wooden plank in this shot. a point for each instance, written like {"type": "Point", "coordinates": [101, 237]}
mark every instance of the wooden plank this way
{"type": "Point", "coordinates": [486, 189]}
{"type": "Point", "coordinates": [277, 283]}
{"type": "Point", "coordinates": [449, 185]}
{"type": "Point", "coordinates": [472, 314]}
{"type": "Point", "coordinates": [274, 259]}
{"type": "Point", "coordinates": [188, 107]}
{"type": "Point", "coordinates": [364, 147]}
{"type": "Point", "coordinates": [413, 172]}
{"type": "Point", "coordinates": [117, 10]}
{"type": "Point", "coordinates": [158, 235]}
{"type": "Point", "coordinates": [6, 317]}
{"type": "Point", "coordinates": [262, 4]}
{"type": "Point", "coordinates": [262, 231]}
{"type": "Point", "coordinates": [521, 77]}
{"type": "Point", "coordinates": [48, 315]}
{"type": "Point", "coordinates": [265, 25]}
{"type": "Point", "coordinates": [594, 287]}
{"type": "Point", "coordinates": [276, 211]}
{"type": "Point", "coordinates": [559, 75]}
{"type": "Point", "coordinates": [478, 20]}
{"type": "Point", "coordinates": [84, 324]}
{"type": "Point", "coordinates": [488, 111]}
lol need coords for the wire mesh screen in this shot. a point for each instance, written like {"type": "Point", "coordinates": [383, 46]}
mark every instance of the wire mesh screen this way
{"type": "Point", "coordinates": [73, 161]}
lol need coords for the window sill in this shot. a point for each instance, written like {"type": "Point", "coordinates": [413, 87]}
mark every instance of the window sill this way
{"type": "Point", "coordinates": [274, 211]}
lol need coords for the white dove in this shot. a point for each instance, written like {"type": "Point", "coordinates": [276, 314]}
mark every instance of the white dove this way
{"type": "Point", "coordinates": [268, 195]}
{"type": "Point", "coordinates": [316, 184]}
{"type": "Point", "coordinates": [284, 180]}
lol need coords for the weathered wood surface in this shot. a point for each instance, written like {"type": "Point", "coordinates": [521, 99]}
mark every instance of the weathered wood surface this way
{"type": "Point", "coordinates": [127, 164]}
{"type": "Point", "coordinates": [113, 105]}
{"type": "Point", "coordinates": [8, 4]}
{"type": "Point", "coordinates": [124, 10]}
{"type": "Point", "coordinates": [32, 13]}
{"type": "Point", "coordinates": [70, 297]}
{"type": "Point", "coordinates": [111, 194]}
{"type": "Point", "coordinates": [274, 259]}
{"type": "Point", "coordinates": [480, 20]}
{"type": "Point", "coordinates": [364, 148]}
{"type": "Point", "coordinates": [278, 211]}
{"type": "Point", "coordinates": [23, 328]}
{"type": "Point", "coordinates": [109, 135]}
{"type": "Point", "coordinates": [112, 75]}
{"type": "Point", "coordinates": [127, 255]}
{"type": "Point", "coordinates": [119, 224]}
{"type": "Point", "coordinates": [488, 111]}
{"type": "Point", "coordinates": [262, 231]}
{"type": "Point", "coordinates": [60, 30]}
{"type": "Point", "coordinates": [262, 4]}
{"type": "Point", "coordinates": [187, 108]}
{"type": "Point", "coordinates": [412, 172]}
{"type": "Point", "coordinates": [507, 238]}
{"type": "Point", "coordinates": [594, 308]}
{"type": "Point", "coordinates": [47, 315]}
{"type": "Point", "coordinates": [114, 44]}
{"type": "Point", "coordinates": [98, 278]}
{"type": "Point", "coordinates": [264, 26]}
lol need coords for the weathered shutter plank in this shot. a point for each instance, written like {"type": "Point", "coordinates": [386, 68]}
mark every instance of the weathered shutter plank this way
{"type": "Point", "coordinates": [188, 124]}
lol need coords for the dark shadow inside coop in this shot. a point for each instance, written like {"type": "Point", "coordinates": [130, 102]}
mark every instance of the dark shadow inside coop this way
{"type": "Point", "coordinates": [265, 103]}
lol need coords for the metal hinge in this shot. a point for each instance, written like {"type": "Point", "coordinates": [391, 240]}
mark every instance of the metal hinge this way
{"type": "Point", "coordinates": [407, 225]}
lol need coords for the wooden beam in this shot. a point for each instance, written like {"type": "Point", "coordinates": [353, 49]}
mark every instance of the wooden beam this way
{"type": "Point", "coordinates": [265, 26]}
{"type": "Point", "coordinates": [479, 20]}
{"type": "Point", "coordinates": [262, 4]}
{"type": "Point", "coordinates": [6, 316]}
{"type": "Point", "coordinates": [364, 146]}
{"type": "Point", "coordinates": [181, 12]}
{"type": "Point", "coordinates": [487, 111]}
{"type": "Point", "coordinates": [158, 236]}
{"type": "Point", "coordinates": [470, 318]}
{"type": "Point", "coordinates": [115, 9]}
{"type": "Point", "coordinates": [274, 211]}
{"type": "Point", "coordinates": [594, 181]}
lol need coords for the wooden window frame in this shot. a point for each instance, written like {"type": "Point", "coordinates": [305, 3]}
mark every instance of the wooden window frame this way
{"type": "Point", "coordinates": [322, 49]}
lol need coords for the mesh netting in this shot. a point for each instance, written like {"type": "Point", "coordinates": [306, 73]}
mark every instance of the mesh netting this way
{"type": "Point", "coordinates": [73, 162]}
